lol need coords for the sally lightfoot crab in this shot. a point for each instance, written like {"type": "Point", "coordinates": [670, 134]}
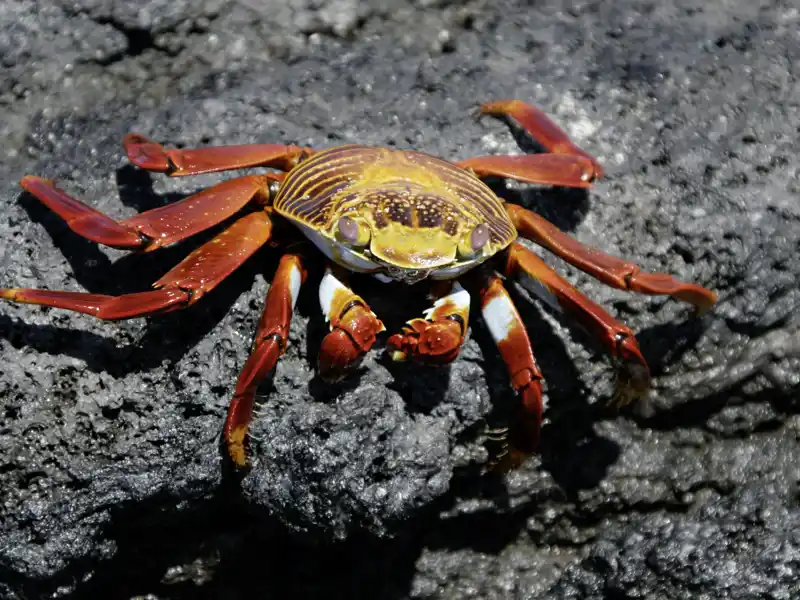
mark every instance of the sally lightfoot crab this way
{"type": "Point", "coordinates": [399, 215]}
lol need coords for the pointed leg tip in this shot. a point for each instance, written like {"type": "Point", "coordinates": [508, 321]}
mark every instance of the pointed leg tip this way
{"type": "Point", "coordinates": [236, 447]}
{"type": "Point", "coordinates": [506, 462]}
{"type": "Point", "coordinates": [29, 181]}
{"type": "Point", "coordinates": [702, 299]}
{"type": "Point", "coordinates": [628, 391]}
{"type": "Point", "coordinates": [496, 108]}
{"type": "Point", "coordinates": [503, 105]}
{"type": "Point", "coordinates": [135, 138]}
{"type": "Point", "coordinates": [399, 356]}
{"type": "Point", "coordinates": [145, 153]}
{"type": "Point", "coordinates": [706, 303]}
{"type": "Point", "coordinates": [238, 456]}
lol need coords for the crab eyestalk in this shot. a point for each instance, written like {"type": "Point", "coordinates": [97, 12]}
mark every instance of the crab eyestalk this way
{"type": "Point", "coordinates": [354, 232]}
{"type": "Point", "coordinates": [472, 244]}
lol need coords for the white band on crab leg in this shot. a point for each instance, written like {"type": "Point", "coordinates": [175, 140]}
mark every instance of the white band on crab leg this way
{"type": "Point", "coordinates": [501, 316]}
{"type": "Point", "coordinates": [335, 297]}
{"type": "Point", "coordinates": [502, 319]}
{"type": "Point", "coordinates": [508, 332]}
{"type": "Point", "coordinates": [329, 288]}
{"type": "Point", "coordinates": [295, 282]}
{"type": "Point", "coordinates": [456, 302]}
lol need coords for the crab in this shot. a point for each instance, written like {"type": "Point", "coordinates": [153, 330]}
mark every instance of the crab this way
{"type": "Point", "coordinates": [398, 215]}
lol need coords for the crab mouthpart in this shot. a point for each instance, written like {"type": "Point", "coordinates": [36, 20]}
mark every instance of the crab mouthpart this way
{"type": "Point", "coordinates": [408, 276]}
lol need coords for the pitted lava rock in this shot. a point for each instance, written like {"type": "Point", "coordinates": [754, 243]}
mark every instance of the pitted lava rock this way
{"type": "Point", "coordinates": [111, 479]}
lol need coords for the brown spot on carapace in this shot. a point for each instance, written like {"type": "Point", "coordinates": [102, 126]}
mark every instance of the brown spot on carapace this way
{"type": "Point", "coordinates": [450, 226]}
{"type": "Point", "coordinates": [396, 205]}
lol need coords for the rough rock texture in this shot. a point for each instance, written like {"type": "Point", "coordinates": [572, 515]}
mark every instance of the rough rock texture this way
{"type": "Point", "coordinates": [111, 483]}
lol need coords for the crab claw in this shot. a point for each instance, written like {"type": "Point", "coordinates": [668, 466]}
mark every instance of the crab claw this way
{"type": "Point", "coordinates": [338, 356]}
{"type": "Point", "coordinates": [436, 342]}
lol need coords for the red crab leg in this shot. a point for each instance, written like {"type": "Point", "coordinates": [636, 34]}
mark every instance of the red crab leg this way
{"type": "Point", "coordinates": [608, 269]}
{"type": "Point", "coordinates": [353, 328]}
{"type": "Point", "coordinates": [152, 156]}
{"type": "Point", "coordinates": [436, 338]}
{"type": "Point", "coordinates": [508, 331]}
{"type": "Point", "coordinates": [617, 339]}
{"type": "Point", "coordinates": [153, 228]}
{"type": "Point", "coordinates": [185, 284]}
{"type": "Point", "coordinates": [269, 344]}
{"type": "Point", "coordinates": [541, 127]}
{"type": "Point", "coordinates": [546, 169]}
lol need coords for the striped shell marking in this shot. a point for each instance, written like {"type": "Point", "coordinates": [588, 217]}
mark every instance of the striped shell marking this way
{"type": "Point", "coordinates": [417, 207]}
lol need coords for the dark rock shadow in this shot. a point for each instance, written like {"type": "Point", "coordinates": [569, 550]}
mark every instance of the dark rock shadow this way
{"type": "Point", "coordinates": [422, 387]}
{"type": "Point", "coordinates": [135, 188]}
{"type": "Point", "coordinates": [666, 343]}
{"type": "Point", "coordinates": [697, 412]}
{"type": "Point", "coordinates": [487, 531]}
{"type": "Point", "coordinates": [212, 549]}
{"type": "Point", "coordinates": [95, 350]}
{"type": "Point", "coordinates": [327, 391]}
{"type": "Point", "coordinates": [566, 208]}
{"type": "Point", "coordinates": [525, 141]}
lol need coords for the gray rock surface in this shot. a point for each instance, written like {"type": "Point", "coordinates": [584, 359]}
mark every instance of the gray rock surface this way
{"type": "Point", "coordinates": [111, 483]}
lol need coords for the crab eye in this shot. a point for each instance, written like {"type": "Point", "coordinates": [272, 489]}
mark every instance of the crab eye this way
{"type": "Point", "coordinates": [353, 232]}
{"type": "Point", "coordinates": [472, 243]}
{"type": "Point", "coordinates": [479, 237]}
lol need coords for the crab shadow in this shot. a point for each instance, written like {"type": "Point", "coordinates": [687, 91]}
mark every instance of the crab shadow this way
{"type": "Point", "coordinates": [565, 208]}
{"type": "Point", "coordinates": [666, 344]}
{"type": "Point", "coordinates": [166, 337]}
{"type": "Point", "coordinates": [570, 451]}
